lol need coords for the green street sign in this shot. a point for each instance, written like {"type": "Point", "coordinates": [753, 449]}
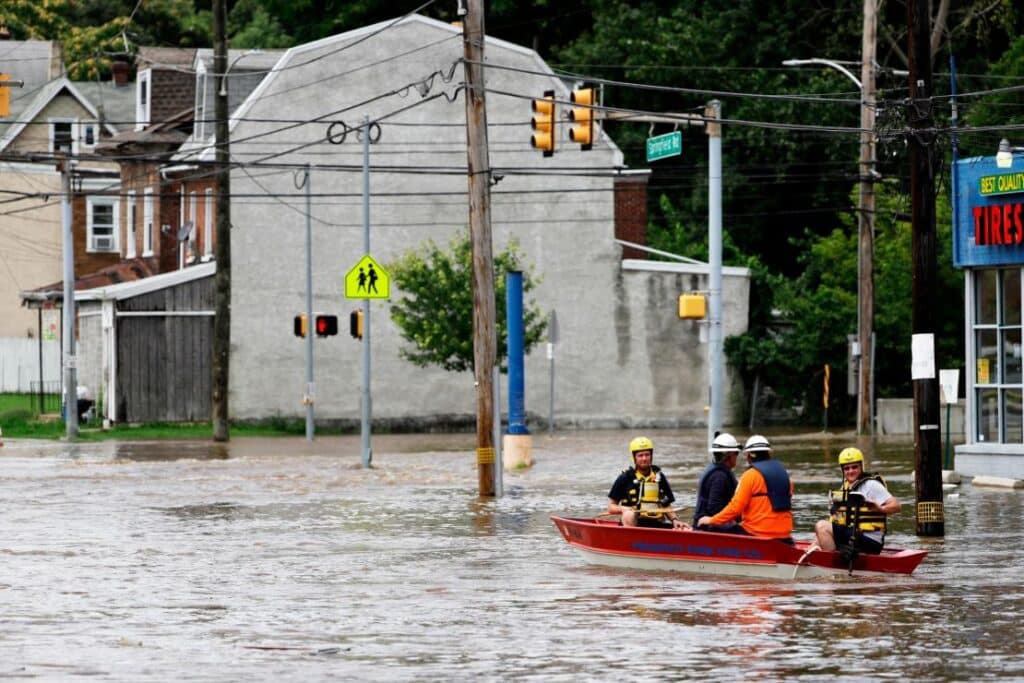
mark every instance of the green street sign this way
{"type": "Point", "coordinates": [663, 146]}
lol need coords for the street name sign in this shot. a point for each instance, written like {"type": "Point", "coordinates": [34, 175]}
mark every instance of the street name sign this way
{"type": "Point", "coordinates": [367, 280]}
{"type": "Point", "coordinates": [663, 146]}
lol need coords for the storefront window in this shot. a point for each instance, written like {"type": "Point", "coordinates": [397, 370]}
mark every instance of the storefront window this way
{"type": "Point", "coordinates": [1011, 297]}
{"type": "Point", "coordinates": [985, 297]}
{"type": "Point", "coordinates": [987, 355]}
{"type": "Point", "coordinates": [1011, 356]}
{"type": "Point", "coordinates": [1012, 421]}
{"type": "Point", "coordinates": [988, 415]}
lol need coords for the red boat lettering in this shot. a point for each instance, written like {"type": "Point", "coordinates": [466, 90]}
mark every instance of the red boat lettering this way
{"type": "Point", "coordinates": [672, 548]}
{"type": "Point", "coordinates": [700, 550]}
{"type": "Point", "coordinates": [751, 554]}
{"type": "Point", "coordinates": [729, 552]}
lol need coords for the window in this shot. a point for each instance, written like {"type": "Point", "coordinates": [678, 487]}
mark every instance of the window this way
{"type": "Point", "coordinates": [200, 116]}
{"type": "Point", "coordinates": [62, 139]}
{"type": "Point", "coordinates": [208, 226]}
{"type": "Point", "coordinates": [142, 108]}
{"type": "Point", "coordinates": [131, 227]}
{"type": "Point", "coordinates": [101, 221]}
{"type": "Point", "coordinates": [998, 375]}
{"type": "Point", "coordinates": [87, 133]}
{"type": "Point", "coordinates": [147, 222]}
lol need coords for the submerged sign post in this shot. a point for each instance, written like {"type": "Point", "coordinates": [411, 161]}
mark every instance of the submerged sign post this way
{"type": "Point", "coordinates": [664, 146]}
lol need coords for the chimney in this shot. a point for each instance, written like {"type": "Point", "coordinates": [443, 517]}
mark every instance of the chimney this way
{"type": "Point", "coordinates": [120, 70]}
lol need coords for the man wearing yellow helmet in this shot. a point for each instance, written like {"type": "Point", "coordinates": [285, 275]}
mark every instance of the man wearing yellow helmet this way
{"type": "Point", "coordinates": [859, 509]}
{"type": "Point", "coordinates": [641, 494]}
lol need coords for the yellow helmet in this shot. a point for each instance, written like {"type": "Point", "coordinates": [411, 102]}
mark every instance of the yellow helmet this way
{"type": "Point", "coordinates": [640, 443]}
{"type": "Point", "coordinates": [851, 455]}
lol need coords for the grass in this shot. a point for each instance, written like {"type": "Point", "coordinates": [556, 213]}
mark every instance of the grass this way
{"type": "Point", "coordinates": [20, 418]}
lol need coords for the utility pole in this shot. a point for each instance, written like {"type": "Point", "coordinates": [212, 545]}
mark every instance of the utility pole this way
{"type": "Point", "coordinates": [921, 136]}
{"type": "Point", "coordinates": [70, 363]}
{"type": "Point", "coordinates": [478, 165]}
{"type": "Point", "coordinates": [222, 253]}
{"type": "Point", "coordinates": [866, 224]}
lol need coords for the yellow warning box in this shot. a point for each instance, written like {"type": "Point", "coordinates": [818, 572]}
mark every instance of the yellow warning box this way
{"type": "Point", "coordinates": [692, 306]}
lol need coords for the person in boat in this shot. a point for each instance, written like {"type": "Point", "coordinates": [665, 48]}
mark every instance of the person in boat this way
{"type": "Point", "coordinates": [718, 483]}
{"type": "Point", "coordinates": [763, 499]}
{"type": "Point", "coordinates": [641, 494]}
{"type": "Point", "coordinates": [859, 508]}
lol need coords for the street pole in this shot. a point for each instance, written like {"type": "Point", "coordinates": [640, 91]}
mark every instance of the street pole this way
{"type": "Point", "coordinates": [222, 252]}
{"type": "Point", "coordinates": [70, 362]}
{"type": "Point", "coordinates": [866, 222]}
{"type": "Point", "coordinates": [484, 335]}
{"type": "Point", "coordinates": [713, 112]}
{"type": "Point", "coordinates": [310, 389]}
{"type": "Point", "coordinates": [366, 406]}
{"type": "Point", "coordinates": [921, 135]}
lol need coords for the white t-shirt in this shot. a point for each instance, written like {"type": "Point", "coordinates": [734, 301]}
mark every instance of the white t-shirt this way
{"type": "Point", "coordinates": [874, 492]}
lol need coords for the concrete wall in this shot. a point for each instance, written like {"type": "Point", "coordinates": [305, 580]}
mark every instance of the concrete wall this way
{"type": "Point", "coordinates": [896, 416]}
{"type": "Point", "coordinates": [19, 364]}
{"type": "Point", "coordinates": [624, 357]}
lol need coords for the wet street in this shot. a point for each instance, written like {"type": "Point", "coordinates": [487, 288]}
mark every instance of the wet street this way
{"type": "Point", "coordinates": [277, 559]}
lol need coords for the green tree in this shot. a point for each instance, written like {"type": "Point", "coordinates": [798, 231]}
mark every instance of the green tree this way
{"type": "Point", "coordinates": [435, 311]}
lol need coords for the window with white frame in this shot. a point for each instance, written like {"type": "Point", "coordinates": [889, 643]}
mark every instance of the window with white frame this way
{"type": "Point", "coordinates": [208, 226]}
{"type": "Point", "coordinates": [62, 136]}
{"type": "Point", "coordinates": [101, 224]}
{"type": "Point", "coordinates": [142, 98]}
{"type": "Point", "coordinates": [88, 132]}
{"type": "Point", "coordinates": [147, 222]}
{"type": "Point", "coordinates": [998, 378]}
{"type": "Point", "coordinates": [132, 224]}
{"type": "Point", "coordinates": [200, 115]}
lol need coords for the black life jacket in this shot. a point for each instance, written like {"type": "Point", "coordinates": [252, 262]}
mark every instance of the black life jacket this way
{"type": "Point", "coordinates": [703, 491]}
{"type": "Point", "coordinates": [776, 478]}
{"type": "Point", "coordinates": [850, 512]}
{"type": "Point", "coordinates": [644, 492]}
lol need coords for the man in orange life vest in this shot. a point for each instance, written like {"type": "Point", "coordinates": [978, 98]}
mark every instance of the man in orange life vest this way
{"type": "Point", "coordinates": [763, 497]}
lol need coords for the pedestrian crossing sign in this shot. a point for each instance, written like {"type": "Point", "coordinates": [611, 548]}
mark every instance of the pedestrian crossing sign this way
{"type": "Point", "coordinates": [367, 280]}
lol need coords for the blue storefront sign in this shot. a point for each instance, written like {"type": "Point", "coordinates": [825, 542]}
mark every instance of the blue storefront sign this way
{"type": "Point", "coordinates": [988, 228]}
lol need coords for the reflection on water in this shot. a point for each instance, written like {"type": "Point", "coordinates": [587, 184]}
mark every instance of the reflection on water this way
{"type": "Point", "coordinates": [279, 559]}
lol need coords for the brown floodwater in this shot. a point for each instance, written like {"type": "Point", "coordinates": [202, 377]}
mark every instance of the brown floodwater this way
{"type": "Point", "coordinates": [280, 559]}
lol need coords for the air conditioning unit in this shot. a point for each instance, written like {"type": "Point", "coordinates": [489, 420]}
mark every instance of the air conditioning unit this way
{"type": "Point", "coordinates": [102, 243]}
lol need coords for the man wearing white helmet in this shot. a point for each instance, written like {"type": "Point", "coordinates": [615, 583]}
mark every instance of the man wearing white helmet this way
{"type": "Point", "coordinates": [764, 496]}
{"type": "Point", "coordinates": [717, 484]}
{"type": "Point", "coordinates": [641, 494]}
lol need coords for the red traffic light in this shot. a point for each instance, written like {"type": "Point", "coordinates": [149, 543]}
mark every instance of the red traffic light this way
{"type": "Point", "coordinates": [326, 325]}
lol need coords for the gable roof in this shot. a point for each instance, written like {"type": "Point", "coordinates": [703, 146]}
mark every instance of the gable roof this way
{"type": "Point", "coordinates": [33, 62]}
{"type": "Point", "coordinates": [46, 95]}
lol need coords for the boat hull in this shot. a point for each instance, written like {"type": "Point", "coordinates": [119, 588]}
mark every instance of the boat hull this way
{"type": "Point", "coordinates": [605, 542]}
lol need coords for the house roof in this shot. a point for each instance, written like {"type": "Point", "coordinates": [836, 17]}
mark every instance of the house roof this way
{"type": "Point", "coordinates": [35, 63]}
{"type": "Point", "coordinates": [44, 96]}
{"type": "Point", "coordinates": [127, 271]}
{"type": "Point", "coordinates": [117, 103]}
{"type": "Point", "coordinates": [153, 283]}
{"type": "Point", "coordinates": [167, 134]}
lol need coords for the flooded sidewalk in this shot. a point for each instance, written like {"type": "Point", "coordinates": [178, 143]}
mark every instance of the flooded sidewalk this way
{"type": "Point", "coordinates": [280, 559]}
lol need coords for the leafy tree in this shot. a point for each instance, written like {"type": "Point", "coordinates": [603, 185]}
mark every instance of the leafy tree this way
{"type": "Point", "coordinates": [435, 312]}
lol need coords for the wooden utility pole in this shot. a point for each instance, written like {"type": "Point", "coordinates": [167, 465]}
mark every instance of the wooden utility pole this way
{"type": "Point", "coordinates": [921, 137]}
{"type": "Point", "coordinates": [484, 335]}
{"type": "Point", "coordinates": [866, 241]}
{"type": "Point", "coordinates": [222, 253]}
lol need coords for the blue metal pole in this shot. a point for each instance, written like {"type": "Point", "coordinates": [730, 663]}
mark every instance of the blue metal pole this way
{"type": "Point", "coordinates": [516, 382]}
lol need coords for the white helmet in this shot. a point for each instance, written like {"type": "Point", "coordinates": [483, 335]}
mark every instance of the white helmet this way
{"type": "Point", "coordinates": [757, 444]}
{"type": "Point", "coordinates": [725, 443]}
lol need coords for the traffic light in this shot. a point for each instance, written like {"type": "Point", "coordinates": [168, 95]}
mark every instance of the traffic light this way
{"type": "Point", "coordinates": [300, 325]}
{"type": "Point", "coordinates": [582, 130]}
{"type": "Point", "coordinates": [544, 123]}
{"type": "Point", "coordinates": [326, 325]}
{"type": "Point", "coordinates": [355, 323]}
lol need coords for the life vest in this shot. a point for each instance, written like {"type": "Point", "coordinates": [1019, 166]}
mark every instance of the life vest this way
{"type": "Point", "coordinates": [702, 490]}
{"type": "Point", "coordinates": [864, 517]}
{"type": "Point", "coordinates": [645, 492]}
{"type": "Point", "coordinates": [776, 479]}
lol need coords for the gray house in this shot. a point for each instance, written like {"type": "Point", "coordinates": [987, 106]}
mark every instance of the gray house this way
{"type": "Point", "coordinates": [623, 357]}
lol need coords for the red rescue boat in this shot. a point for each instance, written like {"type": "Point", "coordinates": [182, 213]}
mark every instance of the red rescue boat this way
{"type": "Point", "coordinates": [605, 541]}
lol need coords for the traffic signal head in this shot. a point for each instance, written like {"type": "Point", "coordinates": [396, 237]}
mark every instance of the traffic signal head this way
{"type": "Point", "coordinates": [543, 123]}
{"type": "Point", "coordinates": [326, 325]}
{"type": "Point", "coordinates": [300, 325]}
{"type": "Point", "coordinates": [582, 116]}
{"type": "Point", "coordinates": [355, 323]}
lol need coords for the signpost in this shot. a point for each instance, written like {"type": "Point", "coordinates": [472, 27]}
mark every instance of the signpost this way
{"type": "Point", "coordinates": [664, 146]}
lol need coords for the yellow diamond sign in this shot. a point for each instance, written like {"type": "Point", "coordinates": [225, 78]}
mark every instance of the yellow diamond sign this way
{"type": "Point", "coordinates": [367, 280]}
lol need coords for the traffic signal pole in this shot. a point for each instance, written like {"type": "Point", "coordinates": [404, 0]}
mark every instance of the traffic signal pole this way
{"type": "Point", "coordinates": [367, 411]}
{"type": "Point", "coordinates": [479, 176]}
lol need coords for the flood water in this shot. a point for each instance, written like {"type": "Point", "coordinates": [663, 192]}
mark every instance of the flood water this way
{"type": "Point", "coordinates": [277, 559]}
